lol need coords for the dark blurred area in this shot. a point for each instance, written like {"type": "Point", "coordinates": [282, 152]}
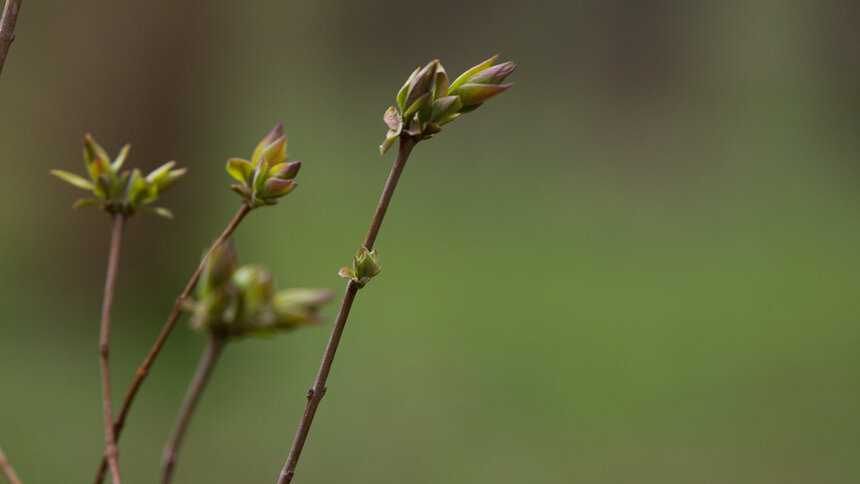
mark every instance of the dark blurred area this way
{"type": "Point", "coordinates": [639, 264]}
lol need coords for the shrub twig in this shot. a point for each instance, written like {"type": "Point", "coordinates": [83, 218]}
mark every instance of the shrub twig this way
{"type": "Point", "coordinates": [201, 376]}
{"type": "Point", "coordinates": [144, 368]}
{"type": "Point", "coordinates": [118, 225]}
{"type": "Point", "coordinates": [7, 28]}
{"type": "Point", "coordinates": [316, 393]}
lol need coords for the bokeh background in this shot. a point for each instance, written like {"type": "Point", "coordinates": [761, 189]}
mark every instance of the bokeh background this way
{"type": "Point", "coordinates": [640, 264]}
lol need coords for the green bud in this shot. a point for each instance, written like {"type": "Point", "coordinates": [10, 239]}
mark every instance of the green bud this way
{"type": "Point", "coordinates": [364, 267]}
{"type": "Point", "coordinates": [239, 301]}
{"type": "Point", "coordinates": [481, 82]}
{"type": "Point", "coordinates": [209, 313]}
{"type": "Point", "coordinates": [440, 87]}
{"type": "Point", "coordinates": [219, 268]}
{"type": "Point", "coordinates": [100, 166]}
{"type": "Point", "coordinates": [240, 169]}
{"type": "Point", "coordinates": [430, 129]}
{"type": "Point", "coordinates": [299, 306]}
{"type": "Point", "coordinates": [464, 77]}
{"type": "Point", "coordinates": [275, 187]}
{"type": "Point", "coordinates": [419, 103]}
{"type": "Point", "coordinates": [285, 171]}
{"type": "Point", "coordinates": [444, 108]}
{"type": "Point", "coordinates": [103, 186]}
{"type": "Point", "coordinates": [421, 84]}
{"type": "Point", "coordinates": [473, 94]}
{"type": "Point", "coordinates": [270, 138]}
{"type": "Point", "coordinates": [493, 75]}
{"type": "Point", "coordinates": [401, 95]}
{"type": "Point", "coordinates": [428, 100]}
{"type": "Point", "coordinates": [93, 151]}
{"type": "Point", "coordinates": [118, 191]}
{"type": "Point", "coordinates": [120, 185]}
{"type": "Point", "coordinates": [257, 287]}
{"type": "Point", "coordinates": [138, 188]}
{"type": "Point", "coordinates": [267, 176]}
{"type": "Point", "coordinates": [276, 152]}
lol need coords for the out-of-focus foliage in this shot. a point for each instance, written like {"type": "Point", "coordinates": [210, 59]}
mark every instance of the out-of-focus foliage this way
{"type": "Point", "coordinates": [234, 301]}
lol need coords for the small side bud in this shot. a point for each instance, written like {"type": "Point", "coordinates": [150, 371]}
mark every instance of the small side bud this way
{"type": "Point", "coordinates": [364, 267]}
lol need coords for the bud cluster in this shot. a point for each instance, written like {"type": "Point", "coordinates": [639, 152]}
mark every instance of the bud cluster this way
{"type": "Point", "coordinates": [235, 301]}
{"type": "Point", "coordinates": [428, 101]}
{"type": "Point", "coordinates": [267, 176]}
{"type": "Point", "coordinates": [124, 192]}
{"type": "Point", "coordinates": [365, 265]}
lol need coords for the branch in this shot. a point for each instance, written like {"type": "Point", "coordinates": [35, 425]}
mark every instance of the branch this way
{"type": "Point", "coordinates": [195, 390]}
{"type": "Point", "coordinates": [143, 371]}
{"type": "Point", "coordinates": [104, 346]}
{"type": "Point", "coordinates": [7, 28]}
{"type": "Point", "coordinates": [7, 469]}
{"type": "Point", "coordinates": [316, 393]}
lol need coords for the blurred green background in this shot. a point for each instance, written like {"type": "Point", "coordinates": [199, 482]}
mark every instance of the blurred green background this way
{"type": "Point", "coordinates": [640, 264]}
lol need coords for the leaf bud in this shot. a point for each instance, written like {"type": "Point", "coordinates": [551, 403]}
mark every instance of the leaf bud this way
{"type": "Point", "coordinates": [364, 267]}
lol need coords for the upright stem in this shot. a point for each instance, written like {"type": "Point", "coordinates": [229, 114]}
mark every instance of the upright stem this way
{"type": "Point", "coordinates": [104, 345]}
{"type": "Point", "coordinates": [7, 469]}
{"type": "Point", "coordinates": [316, 393]}
{"type": "Point", "coordinates": [7, 28]}
{"type": "Point", "coordinates": [143, 371]}
{"type": "Point", "coordinates": [195, 390]}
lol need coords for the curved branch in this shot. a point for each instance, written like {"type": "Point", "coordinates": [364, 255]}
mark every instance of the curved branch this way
{"type": "Point", "coordinates": [195, 390]}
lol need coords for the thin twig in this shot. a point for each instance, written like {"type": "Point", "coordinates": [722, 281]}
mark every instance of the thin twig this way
{"type": "Point", "coordinates": [143, 371]}
{"type": "Point", "coordinates": [7, 469]}
{"type": "Point", "coordinates": [7, 28]}
{"type": "Point", "coordinates": [316, 393]}
{"type": "Point", "coordinates": [195, 390]}
{"type": "Point", "coordinates": [104, 345]}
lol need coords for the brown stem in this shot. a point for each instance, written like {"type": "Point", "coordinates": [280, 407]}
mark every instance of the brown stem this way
{"type": "Point", "coordinates": [104, 345]}
{"type": "Point", "coordinates": [143, 371]}
{"type": "Point", "coordinates": [316, 393]}
{"type": "Point", "coordinates": [7, 28]}
{"type": "Point", "coordinates": [7, 469]}
{"type": "Point", "coordinates": [195, 390]}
